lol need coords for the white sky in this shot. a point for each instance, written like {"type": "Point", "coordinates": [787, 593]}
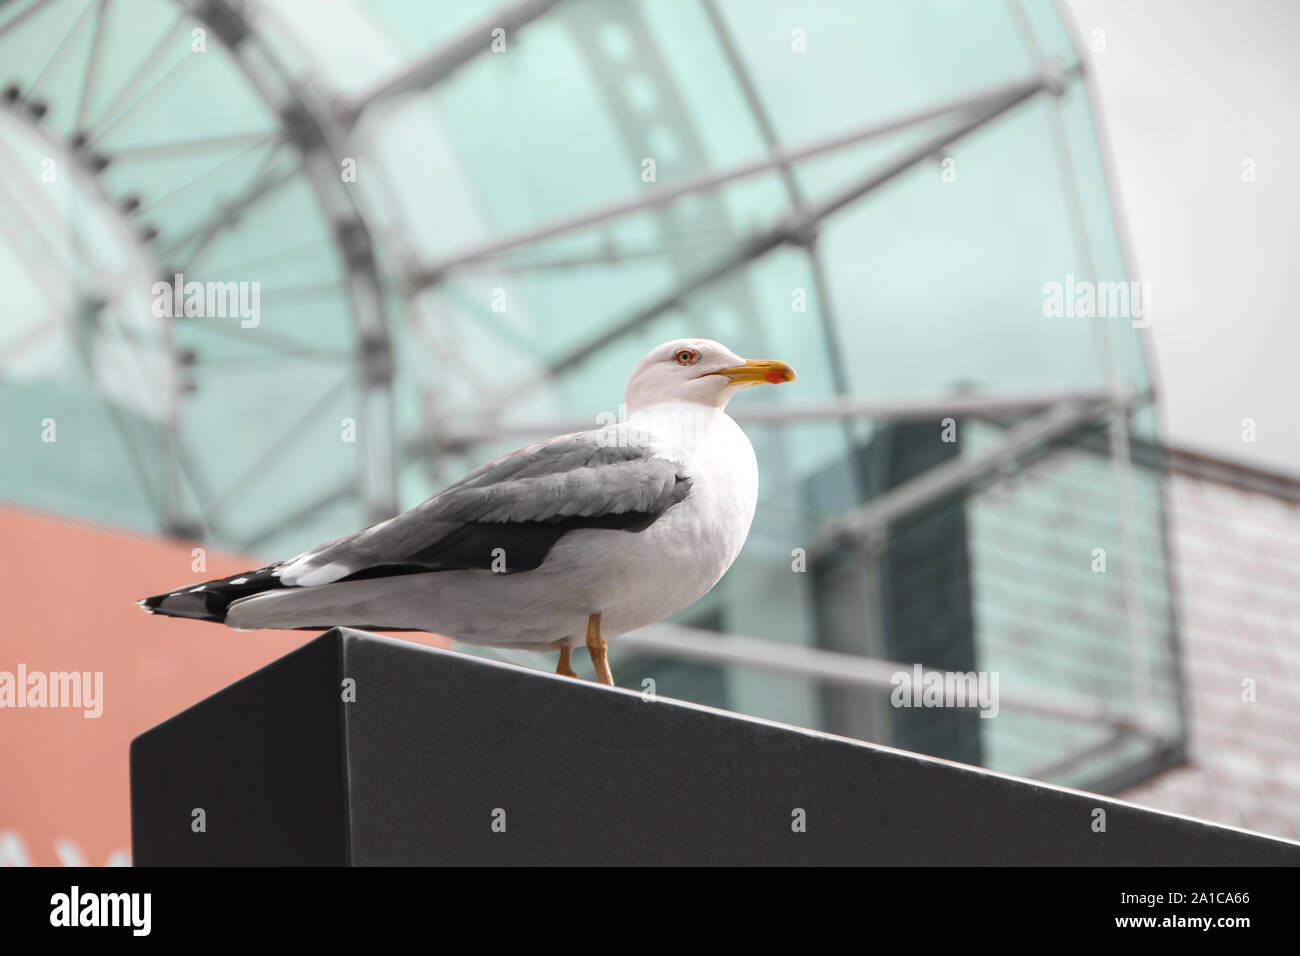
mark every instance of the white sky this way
{"type": "Point", "coordinates": [1190, 88]}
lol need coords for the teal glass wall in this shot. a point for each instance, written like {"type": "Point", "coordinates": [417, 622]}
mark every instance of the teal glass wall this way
{"type": "Point", "coordinates": [930, 282]}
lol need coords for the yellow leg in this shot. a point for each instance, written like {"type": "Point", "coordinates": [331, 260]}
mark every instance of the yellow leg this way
{"type": "Point", "coordinates": [565, 667]}
{"type": "Point", "coordinates": [599, 650]}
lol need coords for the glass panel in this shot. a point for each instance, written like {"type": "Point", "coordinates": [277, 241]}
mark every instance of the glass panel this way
{"type": "Point", "coordinates": [936, 279]}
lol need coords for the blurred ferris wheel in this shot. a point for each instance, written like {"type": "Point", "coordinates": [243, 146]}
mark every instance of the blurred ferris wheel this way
{"type": "Point", "coordinates": [156, 142]}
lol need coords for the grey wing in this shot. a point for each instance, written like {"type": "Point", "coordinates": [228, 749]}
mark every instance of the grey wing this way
{"type": "Point", "coordinates": [522, 504]}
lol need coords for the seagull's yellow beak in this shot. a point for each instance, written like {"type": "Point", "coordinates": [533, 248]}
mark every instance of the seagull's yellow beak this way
{"type": "Point", "coordinates": [758, 372]}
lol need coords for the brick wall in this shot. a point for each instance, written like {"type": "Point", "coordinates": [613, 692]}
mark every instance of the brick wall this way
{"type": "Point", "coordinates": [1236, 549]}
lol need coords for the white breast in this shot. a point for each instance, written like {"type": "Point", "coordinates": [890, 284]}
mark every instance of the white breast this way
{"type": "Point", "coordinates": [639, 578]}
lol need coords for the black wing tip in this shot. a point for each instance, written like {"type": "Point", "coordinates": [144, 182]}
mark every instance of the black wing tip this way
{"type": "Point", "coordinates": [184, 603]}
{"type": "Point", "coordinates": [211, 600]}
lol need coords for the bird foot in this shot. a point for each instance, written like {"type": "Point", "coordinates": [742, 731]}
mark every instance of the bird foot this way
{"type": "Point", "coordinates": [598, 647]}
{"type": "Point", "coordinates": [565, 667]}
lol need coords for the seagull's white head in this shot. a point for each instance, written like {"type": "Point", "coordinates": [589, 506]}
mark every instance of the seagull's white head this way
{"type": "Point", "coordinates": [700, 371]}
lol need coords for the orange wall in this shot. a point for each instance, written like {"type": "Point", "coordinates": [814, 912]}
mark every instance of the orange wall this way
{"type": "Point", "coordinates": [67, 594]}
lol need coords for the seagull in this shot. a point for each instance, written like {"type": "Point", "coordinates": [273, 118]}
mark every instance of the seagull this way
{"type": "Point", "coordinates": [579, 538]}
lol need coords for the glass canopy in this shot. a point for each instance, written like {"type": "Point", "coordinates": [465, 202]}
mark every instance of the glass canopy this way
{"type": "Point", "coordinates": [462, 223]}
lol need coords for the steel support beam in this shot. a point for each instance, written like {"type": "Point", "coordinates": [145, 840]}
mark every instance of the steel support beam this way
{"type": "Point", "coordinates": [834, 667]}
{"type": "Point", "coordinates": [961, 405]}
{"type": "Point", "coordinates": [776, 159]}
{"type": "Point", "coordinates": [1080, 757]}
{"type": "Point", "coordinates": [442, 62]}
{"type": "Point", "coordinates": [866, 524]}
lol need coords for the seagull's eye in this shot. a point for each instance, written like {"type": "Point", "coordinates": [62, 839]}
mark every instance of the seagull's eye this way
{"type": "Point", "coordinates": [687, 357]}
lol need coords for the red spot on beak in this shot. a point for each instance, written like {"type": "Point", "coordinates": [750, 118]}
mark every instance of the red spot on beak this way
{"type": "Point", "coordinates": [778, 376]}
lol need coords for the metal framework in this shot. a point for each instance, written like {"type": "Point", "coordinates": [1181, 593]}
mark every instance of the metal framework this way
{"type": "Point", "coordinates": [869, 523]}
{"type": "Point", "coordinates": [318, 130]}
{"type": "Point", "coordinates": [958, 405]}
{"type": "Point", "coordinates": [437, 65]}
{"type": "Point", "coordinates": [852, 670]}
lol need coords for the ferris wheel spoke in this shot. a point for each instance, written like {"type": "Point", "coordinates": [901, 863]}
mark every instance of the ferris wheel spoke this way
{"type": "Point", "coordinates": [316, 246]}
{"type": "Point", "coordinates": [134, 453]}
{"type": "Point", "coordinates": [108, 114]}
{"type": "Point", "coordinates": [293, 432]}
{"type": "Point", "coordinates": [246, 363]}
{"type": "Point", "coordinates": [189, 147]}
{"type": "Point", "coordinates": [230, 214]}
{"type": "Point", "coordinates": [226, 214]}
{"type": "Point", "coordinates": [20, 17]}
{"type": "Point", "coordinates": [198, 485]}
{"type": "Point", "coordinates": [274, 344]}
{"type": "Point", "coordinates": [188, 187]}
{"type": "Point", "coordinates": [92, 65]}
{"type": "Point", "coordinates": [157, 85]}
{"type": "Point", "coordinates": [316, 290]}
{"type": "Point", "coordinates": [273, 341]}
{"type": "Point", "coordinates": [58, 50]}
